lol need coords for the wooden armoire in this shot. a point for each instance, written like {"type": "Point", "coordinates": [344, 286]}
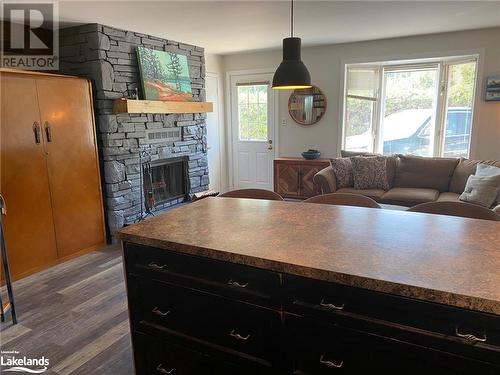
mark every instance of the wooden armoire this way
{"type": "Point", "coordinates": [49, 170]}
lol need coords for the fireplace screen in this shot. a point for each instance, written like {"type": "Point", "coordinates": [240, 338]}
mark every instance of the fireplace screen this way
{"type": "Point", "coordinates": [164, 180]}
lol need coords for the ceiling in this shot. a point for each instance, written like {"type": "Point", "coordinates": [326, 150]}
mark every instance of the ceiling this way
{"type": "Point", "coordinates": [225, 27]}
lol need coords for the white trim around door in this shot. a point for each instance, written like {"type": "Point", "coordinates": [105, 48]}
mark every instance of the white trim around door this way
{"type": "Point", "coordinates": [242, 76]}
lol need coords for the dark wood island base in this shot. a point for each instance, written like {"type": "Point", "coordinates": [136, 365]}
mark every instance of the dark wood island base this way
{"type": "Point", "coordinates": [194, 312]}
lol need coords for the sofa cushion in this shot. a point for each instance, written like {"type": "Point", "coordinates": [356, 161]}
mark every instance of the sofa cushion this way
{"type": "Point", "coordinates": [464, 169]}
{"type": "Point", "coordinates": [424, 172]}
{"type": "Point", "coordinates": [448, 196]}
{"type": "Point", "coordinates": [342, 167]}
{"type": "Point", "coordinates": [374, 194]}
{"type": "Point", "coordinates": [409, 196]}
{"type": "Point", "coordinates": [391, 164]}
{"type": "Point", "coordinates": [481, 190]}
{"type": "Point", "coordinates": [370, 172]}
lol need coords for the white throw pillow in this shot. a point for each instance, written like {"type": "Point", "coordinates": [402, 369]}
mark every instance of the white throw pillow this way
{"type": "Point", "coordinates": [481, 190]}
{"type": "Point", "coordinates": [485, 170]}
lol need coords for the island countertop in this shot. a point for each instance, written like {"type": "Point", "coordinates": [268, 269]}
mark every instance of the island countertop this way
{"type": "Point", "coordinates": [449, 260]}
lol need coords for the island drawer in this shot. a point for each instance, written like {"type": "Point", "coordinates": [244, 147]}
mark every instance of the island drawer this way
{"type": "Point", "coordinates": [223, 278]}
{"type": "Point", "coordinates": [159, 356]}
{"type": "Point", "coordinates": [325, 348]}
{"type": "Point", "coordinates": [327, 300]}
{"type": "Point", "coordinates": [236, 326]}
{"type": "Point", "coordinates": [153, 356]}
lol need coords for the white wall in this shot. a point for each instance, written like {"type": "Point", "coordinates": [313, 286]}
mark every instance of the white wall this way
{"type": "Point", "coordinates": [325, 62]}
{"type": "Point", "coordinates": [214, 65]}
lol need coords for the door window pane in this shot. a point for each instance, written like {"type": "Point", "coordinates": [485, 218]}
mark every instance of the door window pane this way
{"type": "Point", "coordinates": [459, 101]}
{"type": "Point", "coordinates": [408, 125]}
{"type": "Point", "coordinates": [360, 108]}
{"type": "Point", "coordinates": [252, 112]}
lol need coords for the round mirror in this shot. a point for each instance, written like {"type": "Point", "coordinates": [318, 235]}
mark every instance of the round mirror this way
{"type": "Point", "coordinates": [307, 106]}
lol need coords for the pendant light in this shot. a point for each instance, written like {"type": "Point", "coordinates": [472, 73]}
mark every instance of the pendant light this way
{"type": "Point", "coordinates": [292, 73]}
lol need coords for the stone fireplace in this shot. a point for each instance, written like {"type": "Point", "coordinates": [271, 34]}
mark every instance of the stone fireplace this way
{"type": "Point", "coordinates": [164, 142]}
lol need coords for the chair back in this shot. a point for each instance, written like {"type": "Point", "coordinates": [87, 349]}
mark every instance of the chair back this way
{"type": "Point", "coordinates": [462, 209]}
{"type": "Point", "coordinates": [344, 199]}
{"type": "Point", "coordinates": [253, 194]}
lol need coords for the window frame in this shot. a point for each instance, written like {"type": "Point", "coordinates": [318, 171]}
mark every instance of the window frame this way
{"type": "Point", "coordinates": [443, 64]}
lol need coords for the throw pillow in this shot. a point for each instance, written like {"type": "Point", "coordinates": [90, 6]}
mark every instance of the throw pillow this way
{"type": "Point", "coordinates": [464, 169]}
{"type": "Point", "coordinates": [370, 172]}
{"type": "Point", "coordinates": [481, 190]}
{"type": "Point", "coordinates": [342, 168]}
{"type": "Point", "coordinates": [485, 170]}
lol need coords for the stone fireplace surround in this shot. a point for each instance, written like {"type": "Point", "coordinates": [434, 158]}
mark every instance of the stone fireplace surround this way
{"type": "Point", "coordinates": [107, 56]}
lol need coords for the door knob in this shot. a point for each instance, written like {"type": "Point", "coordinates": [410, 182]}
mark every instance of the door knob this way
{"type": "Point", "coordinates": [270, 147]}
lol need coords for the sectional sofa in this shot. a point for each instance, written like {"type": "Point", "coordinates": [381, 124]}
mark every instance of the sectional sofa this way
{"type": "Point", "coordinates": [413, 179]}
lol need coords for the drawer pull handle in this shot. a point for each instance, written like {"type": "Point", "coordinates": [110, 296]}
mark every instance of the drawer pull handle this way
{"type": "Point", "coordinates": [237, 284]}
{"type": "Point", "coordinates": [157, 311]}
{"type": "Point", "coordinates": [470, 337]}
{"type": "Point", "coordinates": [237, 336]}
{"type": "Point", "coordinates": [156, 266]}
{"type": "Point", "coordinates": [330, 364]}
{"type": "Point", "coordinates": [161, 370]}
{"type": "Point", "coordinates": [331, 306]}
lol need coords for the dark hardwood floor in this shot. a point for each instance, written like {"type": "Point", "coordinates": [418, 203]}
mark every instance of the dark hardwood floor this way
{"type": "Point", "coordinates": [74, 314]}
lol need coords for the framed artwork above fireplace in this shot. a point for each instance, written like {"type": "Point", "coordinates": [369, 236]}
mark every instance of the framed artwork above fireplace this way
{"type": "Point", "coordinates": [164, 75]}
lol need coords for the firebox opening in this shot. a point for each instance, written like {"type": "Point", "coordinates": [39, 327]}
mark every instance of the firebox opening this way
{"type": "Point", "coordinates": [164, 180]}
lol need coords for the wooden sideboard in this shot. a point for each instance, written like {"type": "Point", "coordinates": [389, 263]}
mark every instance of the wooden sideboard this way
{"type": "Point", "coordinates": [311, 298]}
{"type": "Point", "coordinates": [293, 177]}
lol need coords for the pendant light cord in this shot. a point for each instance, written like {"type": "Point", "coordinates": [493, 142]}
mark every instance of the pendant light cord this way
{"type": "Point", "coordinates": [291, 18]}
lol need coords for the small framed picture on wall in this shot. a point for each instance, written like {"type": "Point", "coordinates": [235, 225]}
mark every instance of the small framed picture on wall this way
{"type": "Point", "coordinates": [493, 88]}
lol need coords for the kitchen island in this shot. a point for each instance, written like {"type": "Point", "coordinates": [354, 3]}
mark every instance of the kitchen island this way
{"type": "Point", "coordinates": [229, 285]}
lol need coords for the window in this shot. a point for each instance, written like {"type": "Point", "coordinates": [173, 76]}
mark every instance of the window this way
{"type": "Point", "coordinates": [459, 103]}
{"type": "Point", "coordinates": [421, 108]}
{"type": "Point", "coordinates": [252, 112]}
{"type": "Point", "coordinates": [362, 88]}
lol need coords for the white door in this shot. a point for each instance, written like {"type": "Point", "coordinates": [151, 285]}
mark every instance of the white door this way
{"type": "Point", "coordinates": [252, 131]}
{"type": "Point", "coordinates": [213, 133]}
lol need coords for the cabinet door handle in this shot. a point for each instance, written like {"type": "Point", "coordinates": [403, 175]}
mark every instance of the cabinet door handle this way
{"type": "Point", "coordinates": [156, 266]}
{"type": "Point", "coordinates": [237, 284]}
{"type": "Point", "coordinates": [237, 336]}
{"type": "Point", "coordinates": [36, 132]}
{"type": "Point", "coordinates": [331, 306]}
{"type": "Point", "coordinates": [470, 337]}
{"type": "Point", "coordinates": [157, 311]}
{"type": "Point", "coordinates": [330, 364]}
{"type": "Point", "coordinates": [48, 132]}
{"type": "Point", "coordinates": [161, 370]}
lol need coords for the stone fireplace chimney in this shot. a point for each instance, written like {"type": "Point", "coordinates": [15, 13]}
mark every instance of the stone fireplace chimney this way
{"type": "Point", "coordinates": [107, 56]}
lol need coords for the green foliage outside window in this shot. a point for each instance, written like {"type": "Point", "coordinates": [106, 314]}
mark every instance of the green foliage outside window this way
{"type": "Point", "coordinates": [252, 112]}
{"type": "Point", "coordinates": [408, 90]}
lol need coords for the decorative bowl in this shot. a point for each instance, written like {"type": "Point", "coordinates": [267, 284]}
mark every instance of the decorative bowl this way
{"type": "Point", "coordinates": [311, 154]}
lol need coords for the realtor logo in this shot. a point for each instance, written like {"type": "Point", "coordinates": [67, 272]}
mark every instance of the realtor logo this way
{"type": "Point", "coordinates": [11, 362]}
{"type": "Point", "coordinates": [30, 37]}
